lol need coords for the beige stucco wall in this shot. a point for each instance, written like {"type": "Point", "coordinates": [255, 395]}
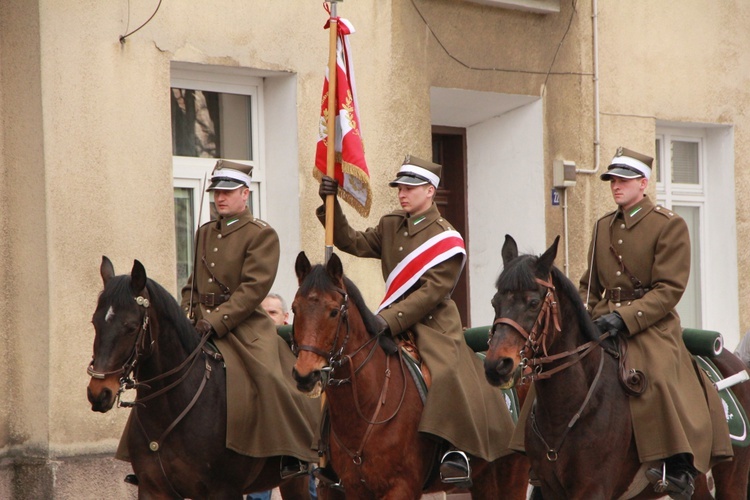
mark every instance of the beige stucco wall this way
{"type": "Point", "coordinates": [86, 167]}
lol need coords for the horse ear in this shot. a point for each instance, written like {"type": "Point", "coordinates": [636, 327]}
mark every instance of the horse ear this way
{"type": "Point", "coordinates": [302, 267]}
{"type": "Point", "coordinates": [107, 270]}
{"type": "Point", "coordinates": [137, 277]}
{"type": "Point", "coordinates": [510, 250]}
{"type": "Point", "coordinates": [547, 259]}
{"type": "Point", "coordinates": [335, 269]}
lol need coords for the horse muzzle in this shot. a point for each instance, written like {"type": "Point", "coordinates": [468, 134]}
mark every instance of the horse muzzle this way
{"type": "Point", "coordinates": [501, 372]}
{"type": "Point", "coordinates": [102, 393]}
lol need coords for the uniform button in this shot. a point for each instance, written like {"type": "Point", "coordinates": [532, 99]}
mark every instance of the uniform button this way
{"type": "Point", "coordinates": [619, 257]}
{"type": "Point", "coordinates": [212, 264]}
{"type": "Point", "coordinates": [429, 317]}
{"type": "Point", "coordinates": [618, 273]}
{"type": "Point", "coordinates": [440, 219]}
{"type": "Point", "coordinates": [619, 242]}
{"type": "Point", "coordinates": [640, 313]}
{"type": "Point", "coordinates": [658, 208]}
{"type": "Point", "coordinates": [219, 236]}
{"type": "Point", "coordinates": [208, 310]}
{"type": "Point", "coordinates": [400, 315]}
{"type": "Point", "coordinates": [216, 249]}
{"type": "Point", "coordinates": [671, 214]}
{"type": "Point", "coordinates": [618, 304]}
{"type": "Point", "coordinates": [226, 316]}
{"type": "Point", "coordinates": [210, 280]}
{"type": "Point", "coordinates": [400, 249]}
{"type": "Point", "coordinates": [406, 233]}
{"type": "Point", "coordinates": [622, 226]}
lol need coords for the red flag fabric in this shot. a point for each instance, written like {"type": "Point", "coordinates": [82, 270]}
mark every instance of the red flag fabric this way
{"type": "Point", "coordinates": [351, 168]}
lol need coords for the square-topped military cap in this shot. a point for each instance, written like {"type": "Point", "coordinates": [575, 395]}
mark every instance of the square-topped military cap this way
{"type": "Point", "coordinates": [229, 175]}
{"type": "Point", "coordinates": [628, 164]}
{"type": "Point", "coordinates": [416, 172]}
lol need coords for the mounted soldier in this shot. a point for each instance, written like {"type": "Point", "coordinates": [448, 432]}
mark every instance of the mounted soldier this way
{"type": "Point", "coordinates": [639, 263]}
{"type": "Point", "coordinates": [422, 257]}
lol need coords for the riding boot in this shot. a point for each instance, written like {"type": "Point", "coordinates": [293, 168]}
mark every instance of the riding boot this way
{"type": "Point", "coordinates": [131, 479]}
{"type": "Point", "coordinates": [676, 477]}
{"type": "Point", "coordinates": [293, 467]}
{"type": "Point", "coordinates": [455, 469]}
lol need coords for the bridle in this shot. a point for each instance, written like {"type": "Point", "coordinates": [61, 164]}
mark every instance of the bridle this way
{"type": "Point", "coordinates": [549, 322]}
{"type": "Point", "coordinates": [142, 347]}
{"type": "Point", "coordinates": [336, 359]}
{"type": "Point", "coordinates": [544, 331]}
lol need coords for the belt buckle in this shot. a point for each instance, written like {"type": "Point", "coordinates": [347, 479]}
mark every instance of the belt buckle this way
{"type": "Point", "coordinates": [615, 294]}
{"type": "Point", "coordinates": [209, 299]}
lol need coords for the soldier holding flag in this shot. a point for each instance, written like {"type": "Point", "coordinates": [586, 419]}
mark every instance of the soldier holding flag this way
{"type": "Point", "coordinates": [422, 257]}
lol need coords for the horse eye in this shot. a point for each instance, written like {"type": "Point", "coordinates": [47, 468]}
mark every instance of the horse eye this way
{"type": "Point", "coordinates": [334, 313]}
{"type": "Point", "coordinates": [534, 303]}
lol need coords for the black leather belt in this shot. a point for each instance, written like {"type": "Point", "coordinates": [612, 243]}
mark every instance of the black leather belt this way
{"type": "Point", "coordinates": [213, 299]}
{"type": "Point", "coordinates": [620, 295]}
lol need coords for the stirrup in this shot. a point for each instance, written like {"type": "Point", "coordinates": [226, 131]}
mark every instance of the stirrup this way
{"type": "Point", "coordinates": [455, 469]}
{"type": "Point", "coordinates": [327, 479]}
{"type": "Point", "coordinates": [660, 483]}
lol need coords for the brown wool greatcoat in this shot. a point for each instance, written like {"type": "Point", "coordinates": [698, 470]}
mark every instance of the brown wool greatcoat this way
{"type": "Point", "coordinates": [672, 415]}
{"type": "Point", "coordinates": [267, 415]}
{"type": "Point", "coordinates": [461, 407]}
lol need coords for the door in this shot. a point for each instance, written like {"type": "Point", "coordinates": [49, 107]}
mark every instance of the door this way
{"type": "Point", "coordinates": [449, 150]}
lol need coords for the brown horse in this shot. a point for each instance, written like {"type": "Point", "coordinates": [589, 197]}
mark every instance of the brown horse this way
{"type": "Point", "coordinates": [177, 428]}
{"type": "Point", "coordinates": [374, 405]}
{"type": "Point", "coordinates": [579, 434]}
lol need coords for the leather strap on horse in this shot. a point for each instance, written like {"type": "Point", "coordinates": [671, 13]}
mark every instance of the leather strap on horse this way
{"type": "Point", "coordinates": [634, 382]}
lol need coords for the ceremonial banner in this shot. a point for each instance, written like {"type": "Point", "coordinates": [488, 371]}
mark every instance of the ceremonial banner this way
{"type": "Point", "coordinates": [350, 167]}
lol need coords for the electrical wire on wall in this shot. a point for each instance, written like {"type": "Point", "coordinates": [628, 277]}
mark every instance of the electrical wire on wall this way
{"type": "Point", "coordinates": [123, 37]}
{"type": "Point", "coordinates": [505, 70]}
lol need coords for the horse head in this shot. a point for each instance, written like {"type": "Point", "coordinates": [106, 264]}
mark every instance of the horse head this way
{"type": "Point", "coordinates": [122, 333]}
{"type": "Point", "coordinates": [526, 313]}
{"type": "Point", "coordinates": [320, 326]}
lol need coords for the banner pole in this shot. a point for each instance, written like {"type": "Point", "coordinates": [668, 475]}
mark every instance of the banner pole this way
{"type": "Point", "coordinates": [331, 125]}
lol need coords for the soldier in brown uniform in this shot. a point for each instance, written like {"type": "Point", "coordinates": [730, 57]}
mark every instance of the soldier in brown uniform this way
{"type": "Point", "coordinates": [461, 407]}
{"type": "Point", "coordinates": [639, 263]}
{"type": "Point", "coordinates": [238, 256]}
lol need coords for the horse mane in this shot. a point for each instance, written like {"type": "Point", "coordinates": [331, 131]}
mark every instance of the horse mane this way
{"type": "Point", "coordinates": [319, 279]}
{"type": "Point", "coordinates": [518, 275]}
{"type": "Point", "coordinates": [119, 294]}
{"type": "Point", "coordinates": [173, 314]}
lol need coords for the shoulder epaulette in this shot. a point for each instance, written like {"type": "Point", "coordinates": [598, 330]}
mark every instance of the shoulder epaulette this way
{"type": "Point", "coordinates": [664, 211]}
{"type": "Point", "coordinates": [260, 222]}
{"type": "Point", "coordinates": [608, 214]}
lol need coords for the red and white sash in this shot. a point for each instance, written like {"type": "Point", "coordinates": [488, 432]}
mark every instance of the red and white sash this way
{"type": "Point", "coordinates": [437, 249]}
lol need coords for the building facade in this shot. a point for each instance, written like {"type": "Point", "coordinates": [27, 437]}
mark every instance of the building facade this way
{"type": "Point", "coordinates": [106, 139]}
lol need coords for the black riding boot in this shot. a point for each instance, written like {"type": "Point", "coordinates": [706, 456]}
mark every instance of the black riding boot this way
{"type": "Point", "coordinates": [676, 477]}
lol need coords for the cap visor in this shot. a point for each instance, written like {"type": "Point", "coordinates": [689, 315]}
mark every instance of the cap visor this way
{"type": "Point", "coordinates": [224, 185]}
{"type": "Point", "coordinates": [410, 181]}
{"type": "Point", "coordinates": [623, 173]}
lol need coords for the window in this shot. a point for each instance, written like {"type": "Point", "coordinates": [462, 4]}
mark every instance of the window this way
{"type": "Point", "coordinates": [216, 113]}
{"type": "Point", "coordinates": [680, 174]}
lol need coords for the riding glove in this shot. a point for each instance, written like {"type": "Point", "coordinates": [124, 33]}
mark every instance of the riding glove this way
{"type": "Point", "coordinates": [328, 186]}
{"type": "Point", "coordinates": [611, 323]}
{"type": "Point", "coordinates": [203, 327]}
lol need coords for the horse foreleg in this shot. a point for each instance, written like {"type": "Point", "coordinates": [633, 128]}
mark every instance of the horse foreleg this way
{"type": "Point", "coordinates": [297, 488]}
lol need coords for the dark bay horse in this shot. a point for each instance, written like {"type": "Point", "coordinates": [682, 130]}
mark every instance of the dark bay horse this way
{"type": "Point", "coordinates": [374, 405]}
{"type": "Point", "coordinates": [579, 436]}
{"type": "Point", "coordinates": [177, 427]}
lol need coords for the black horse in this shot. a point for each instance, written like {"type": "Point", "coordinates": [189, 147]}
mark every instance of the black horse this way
{"type": "Point", "coordinates": [177, 428]}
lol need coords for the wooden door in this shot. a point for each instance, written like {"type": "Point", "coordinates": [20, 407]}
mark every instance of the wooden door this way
{"type": "Point", "coordinates": [449, 150]}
